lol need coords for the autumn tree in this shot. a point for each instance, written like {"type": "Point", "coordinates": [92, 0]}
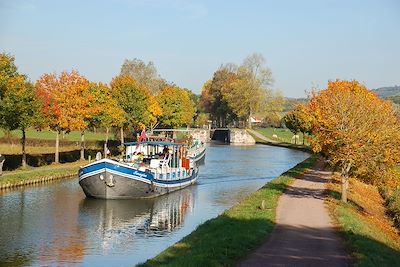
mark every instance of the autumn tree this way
{"type": "Point", "coordinates": [144, 74]}
{"type": "Point", "coordinates": [247, 93]}
{"type": "Point", "coordinates": [154, 112]}
{"type": "Point", "coordinates": [107, 111]}
{"type": "Point", "coordinates": [19, 108]}
{"type": "Point", "coordinates": [8, 70]}
{"type": "Point", "coordinates": [212, 100]}
{"type": "Point", "coordinates": [139, 106]}
{"type": "Point", "coordinates": [65, 104]}
{"type": "Point", "coordinates": [177, 108]}
{"type": "Point", "coordinates": [355, 130]}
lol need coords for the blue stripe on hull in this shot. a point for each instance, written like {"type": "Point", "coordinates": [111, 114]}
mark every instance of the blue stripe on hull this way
{"type": "Point", "coordinates": [114, 168]}
{"type": "Point", "coordinates": [131, 173]}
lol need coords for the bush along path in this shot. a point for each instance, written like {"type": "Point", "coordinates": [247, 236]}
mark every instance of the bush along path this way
{"type": "Point", "coordinates": [304, 234]}
{"type": "Point", "coordinates": [224, 240]}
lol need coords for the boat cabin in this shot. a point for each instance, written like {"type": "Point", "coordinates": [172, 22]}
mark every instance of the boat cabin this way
{"type": "Point", "coordinates": [157, 156]}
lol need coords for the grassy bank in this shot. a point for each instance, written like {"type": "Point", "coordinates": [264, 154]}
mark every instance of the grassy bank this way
{"type": "Point", "coordinates": [39, 174]}
{"type": "Point", "coordinates": [282, 144]}
{"type": "Point", "coordinates": [224, 240]}
{"type": "Point", "coordinates": [282, 135]}
{"type": "Point", "coordinates": [370, 237]}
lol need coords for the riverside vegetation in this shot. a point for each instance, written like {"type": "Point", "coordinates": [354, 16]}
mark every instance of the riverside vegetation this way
{"type": "Point", "coordinates": [370, 236]}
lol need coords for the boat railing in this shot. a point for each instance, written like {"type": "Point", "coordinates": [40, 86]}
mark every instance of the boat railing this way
{"type": "Point", "coordinates": [168, 173]}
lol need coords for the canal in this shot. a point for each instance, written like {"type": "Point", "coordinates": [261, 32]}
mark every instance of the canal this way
{"type": "Point", "coordinates": [54, 224]}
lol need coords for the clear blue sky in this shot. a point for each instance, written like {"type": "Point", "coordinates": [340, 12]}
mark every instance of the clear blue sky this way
{"type": "Point", "coordinates": [305, 43]}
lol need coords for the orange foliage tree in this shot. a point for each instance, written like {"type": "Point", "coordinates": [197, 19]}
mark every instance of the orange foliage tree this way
{"type": "Point", "coordinates": [355, 130]}
{"type": "Point", "coordinates": [66, 104]}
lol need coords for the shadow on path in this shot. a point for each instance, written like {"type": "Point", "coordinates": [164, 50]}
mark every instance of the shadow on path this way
{"type": "Point", "coordinates": [304, 235]}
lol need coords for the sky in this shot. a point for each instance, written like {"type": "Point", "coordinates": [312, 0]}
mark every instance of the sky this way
{"type": "Point", "coordinates": [305, 43]}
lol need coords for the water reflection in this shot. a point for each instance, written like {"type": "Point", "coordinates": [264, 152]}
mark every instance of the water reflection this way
{"type": "Point", "coordinates": [54, 224]}
{"type": "Point", "coordinates": [121, 221]}
{"type": "Point", "coordinates": [41, 230]}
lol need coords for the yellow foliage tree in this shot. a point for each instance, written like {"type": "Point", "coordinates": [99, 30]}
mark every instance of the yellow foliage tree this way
{"type": "Point", "coordinates": [107, 112]}
{"type": "Point", "coordinates": [177, 109]}
{"type": "Point", "coordinates": [355, 130]}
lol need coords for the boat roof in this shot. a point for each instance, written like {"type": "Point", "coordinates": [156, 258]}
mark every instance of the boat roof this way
{"type": "Point", "coordinates": [155, 143]}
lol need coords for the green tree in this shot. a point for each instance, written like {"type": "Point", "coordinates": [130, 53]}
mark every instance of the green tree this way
{"type": "Point", "coordinates": [273, 107]}
{"type": "Point", "coordinates": [292, 122]}
{"type": "Point", "coordinates": [299, 120]}
{"type": "Point", "coordinates": [18, 105]}
{"type": "Point", "coordinates": [177, 108]}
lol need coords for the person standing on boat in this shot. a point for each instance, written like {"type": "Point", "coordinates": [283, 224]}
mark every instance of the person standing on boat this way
{"type": "Point", "coordinates": [165, 151]}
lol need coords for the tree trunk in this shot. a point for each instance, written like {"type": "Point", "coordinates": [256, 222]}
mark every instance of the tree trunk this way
{"type": "Point", "coordinates": [122, 140]}
{"type": "Point", "coordinates": [56, 155]}
{"type": "Point", "coordinates": [23, 142]}
{"type": "Point", "coordinates": [83, 145]}
{"type": "Point", "coordinates": [106, 143]}
{"type": "Point", "coordinates": [345, 181]}
{"type": "Point", "coordinates": [122, 135]}
{"type": "Point", "coordinates": [249, 125]}
{"type": "Point", "coordinates": [303, 138]}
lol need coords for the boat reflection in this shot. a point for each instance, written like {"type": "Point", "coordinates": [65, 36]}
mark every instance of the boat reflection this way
{"type": "Point", "coordinates": [118, 222]}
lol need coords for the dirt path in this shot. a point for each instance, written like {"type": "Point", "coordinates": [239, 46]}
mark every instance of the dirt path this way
{"type": "Point", "coordinates": [304, 235]}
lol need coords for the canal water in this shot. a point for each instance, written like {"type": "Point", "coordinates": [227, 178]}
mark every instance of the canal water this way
{"type": "Point", "coordinates": [55, 225]}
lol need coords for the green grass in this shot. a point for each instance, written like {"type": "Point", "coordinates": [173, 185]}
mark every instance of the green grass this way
{"type": "Point", "coordinates": [224, 240]}
{"type": "Point", "coordinates": [17, 149]}
{"type": "Point", "coordinates": [368, 244]}
{"type": "Point", "coordinates": [47, 134]}
{"type": "Point", "coordinates": [282, 144]}
{"type": "Point", "coordinates": [33, 173]}
{"type": "Point", "coordinates": [284, 135]}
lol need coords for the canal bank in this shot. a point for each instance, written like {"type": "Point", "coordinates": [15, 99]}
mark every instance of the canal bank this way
{"type": "Point", "coordinates": [38, 175]}
{"type": "Point", "coordinates": [224, 240]}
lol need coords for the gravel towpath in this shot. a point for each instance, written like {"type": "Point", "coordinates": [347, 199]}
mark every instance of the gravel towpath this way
{"type": "Point", "coordinates": [304, 234]}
